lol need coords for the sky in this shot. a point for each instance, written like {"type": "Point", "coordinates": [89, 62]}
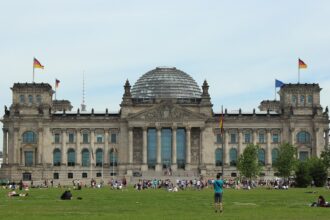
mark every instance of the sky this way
{"type": "Point", "coordinates": [240, 47]}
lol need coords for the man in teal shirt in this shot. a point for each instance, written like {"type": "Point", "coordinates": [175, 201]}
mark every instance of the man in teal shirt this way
{"type": "Point", "coordinates": [218, 184]}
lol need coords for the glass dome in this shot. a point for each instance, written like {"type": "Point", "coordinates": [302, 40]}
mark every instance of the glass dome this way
{"type": "Point", "coordinates": [164, 82]}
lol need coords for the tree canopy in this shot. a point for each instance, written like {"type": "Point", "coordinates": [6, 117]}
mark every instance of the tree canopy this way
{"type": "Point", "coordinates": [248, 164]}
{"type": "Point", "coordinates": [286, 160]}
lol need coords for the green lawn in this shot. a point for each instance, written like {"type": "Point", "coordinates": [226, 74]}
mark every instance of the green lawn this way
{"type": "Point", "coordinates": [157, 204]}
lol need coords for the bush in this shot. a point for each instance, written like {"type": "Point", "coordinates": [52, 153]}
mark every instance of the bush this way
{"type": "Point", "coordinates": [303, 178]}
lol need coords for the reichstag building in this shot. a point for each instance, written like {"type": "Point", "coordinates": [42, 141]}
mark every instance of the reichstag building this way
{"type": "Point", "coordinates": [165, 123]}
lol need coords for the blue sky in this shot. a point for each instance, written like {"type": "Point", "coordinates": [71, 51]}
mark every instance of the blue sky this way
{"type": "Point", "coordinates": [240, 47]}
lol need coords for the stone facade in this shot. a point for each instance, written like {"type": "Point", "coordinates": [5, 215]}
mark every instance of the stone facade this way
{"type": "Point", "coordinates": [41, 143]}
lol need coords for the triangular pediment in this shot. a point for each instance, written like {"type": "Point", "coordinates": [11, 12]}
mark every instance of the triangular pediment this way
{"type": "Point", "coordinates": [167, 112]}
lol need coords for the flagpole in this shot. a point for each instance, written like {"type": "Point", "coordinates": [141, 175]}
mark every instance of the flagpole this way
{"type": "Point", "coordinates": [298, 71]}
{"type": "Point", "coordinates": [275, 92]}
{"type": "Point", "coordinates": [222, 168]}
{"type": "Point", "coordinates": [55, 89]}
{"type": "Point", "coordinates": [33, 71]}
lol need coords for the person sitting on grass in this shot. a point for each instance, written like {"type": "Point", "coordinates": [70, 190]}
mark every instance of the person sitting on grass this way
{"type": "Point", "coordinates": [320, 203]}
{"type": "Point", "coordinates": [66, 195]}
{"type": "Point", "coordinates": [13, 194]}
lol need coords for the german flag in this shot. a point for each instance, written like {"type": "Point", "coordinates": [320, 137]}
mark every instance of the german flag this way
{"type": "Point", "coordinates": [301, 64]}
{"type": "Point", "coordinates": [37, 64]}
{"type": "Point", "coordinates": [221, 123]}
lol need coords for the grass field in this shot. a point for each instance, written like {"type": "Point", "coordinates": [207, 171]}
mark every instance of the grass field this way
{"type": "Point", "coordinates": [158, 204]}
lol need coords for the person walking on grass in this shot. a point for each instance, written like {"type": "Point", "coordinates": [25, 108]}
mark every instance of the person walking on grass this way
{"type": "Point", "coordinates": [218, 191]}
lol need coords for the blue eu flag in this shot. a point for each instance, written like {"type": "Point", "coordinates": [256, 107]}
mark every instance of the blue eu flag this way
{"type": "Point", "coordinates": [278, 83]}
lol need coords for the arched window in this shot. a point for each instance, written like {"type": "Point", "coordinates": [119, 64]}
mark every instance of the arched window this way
{"type": "Point", "coordinates": [85, 158]}
{"type": "Point", "coordinates": [113, 157]}
{"type": "Point", "coordinates": [275, 153]}
{"type": "Point", "coordinates": [233, 157]}
{"type": "Point", "coordinates": [261, 157]}
{"type": "Point", "coordinates": [294, 99]}
{"type": "Point", "coordinates": [22, 99]}
{"type": "Point", "coordinates": [38, 98]}
{"type": "Point", "coordinates": [218, 157]}
{"type": "Point", "coordinates": [30, 99]}
{"type": "Point", "coordinates": [57, 157]}
{"type": "Point", "coordinates": [99, 157]}
{"type": "Point", "coordinates": [303, 137]}
{"type": "Point", "coordinates": [29, 137]}
{"type": "Point", "coordinates": [302, 99]}
{"type": "Point", "coordinates": [71, 157]}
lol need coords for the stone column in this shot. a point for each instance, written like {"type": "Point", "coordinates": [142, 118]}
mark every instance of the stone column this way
{"type": "Point", "coordinates": [159, 149]}
{"type": "Point", "coordinates": [130, 146]}
{"type": "Point", "coordinates": [39, 151]}
{"type": "Point", "coordinates": [240, 144]}
{"type": "Point", "coordinates": [144, 166]}
{"type": "Point", "coordinates": [188, 147]}
{"type": "Point", "coordinates": [292, 136]}
{"type": "Point", "coordinates": [106, 147]}
{"type": "Point", "coordinates": [64, 159]}
{"type": "Point", "coordinates": [5, 145]}
{"type": "Point", "coordinates": [92, 154]}
{"type": "Point", "coordinates": [16, 148]}
{"type": "Point", "coordinates": [78, 150]}
{"type": "Point", "coordinates": [326, 136]}
{"type": "Point", "coordinates": [268, 149]}
{"type": "Point", "coordinates": [255, 137]}
{"type": "Point", "coordinates": [314, 149]}
{"type": "Point", "coordinates": [11, 146]}
{"type": "Point", "coordinates": [174, 165]}
{"type": "Point", "coordinates": [226, 148]}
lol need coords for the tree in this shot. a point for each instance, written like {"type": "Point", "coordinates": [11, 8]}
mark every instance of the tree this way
{"type": "Point", "coordinates": [303, 178]}
{"type": "Point", "coordinates": [248, 164]}
{"type": "Point", "coordinates": [286, 160]}
{"type": "Point", "coordinates": [325, 156]}
{"type": "Point", "coordinates": [318, 171]}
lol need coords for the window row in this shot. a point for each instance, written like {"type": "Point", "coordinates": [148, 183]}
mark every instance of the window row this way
{"type": "Point", "coordinates": [233, 157]}
{"type": "Point", "coordinates": [248, 138]}
{"type": "Point", "coordinates": [86, 157]}
{"type": "Point", "coordinates": [302, 99]}
{"type": "Point", "coordinates": [26, 176]}
{"type": "Point", "coordinates": [30, 137]}
{"type": "Point", "coordinates": [71, 138]}
{"type": "Point", "coordinates": [30, 99]}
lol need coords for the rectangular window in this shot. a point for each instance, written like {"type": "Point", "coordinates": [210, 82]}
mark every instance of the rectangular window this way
{"type": "Point", "coordinates": [84, 175]}
{"type": "Point", "coordinates": [233, 138]}
{"type": "Point", "coordinates": [28, 156]}
{"type": "Point", "coordinates": [247, 138]}
{"type": "Point", "coordinates": [219, 139]}
{"type": "Point", "coordinates": [85, 138]}
{"type": "Point", "coordinates": [113, 138]}
{"type": "Point", "coordinates": [99, 138]}
{"type": "Point", "coordinates": [261, 138]}
{"type": "Point", "coordinates": [310, 99]}
{"type": "Point", "coordinates": [57, 138]}
{"type": "Point", "coordinates": [27, 177]}
{"type": "Point", "coordinates": [56, 176]}
{"type": "Point", "coordinates": [70, 175]}
{"type": "Point", "coordinates": [98, 174]}
{"type": "Point", "coordinates": [71, 138]}
{"type": "Point", "coordinates": [275, 138]}
{"type": "Point", "coordinates": [303, 155]}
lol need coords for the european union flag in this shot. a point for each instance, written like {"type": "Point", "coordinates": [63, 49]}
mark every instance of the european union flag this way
{"type": "Point", "coordinates": [278, 83]}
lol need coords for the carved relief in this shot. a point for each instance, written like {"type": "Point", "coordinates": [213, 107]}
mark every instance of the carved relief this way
{"type": "Point", "coordinates": [167, 113]}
